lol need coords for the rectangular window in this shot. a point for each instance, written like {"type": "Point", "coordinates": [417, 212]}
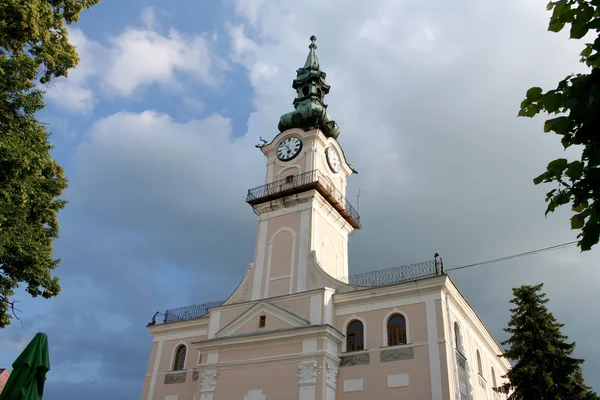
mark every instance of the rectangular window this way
{"type": "Point", "coordinates": [262, 321]}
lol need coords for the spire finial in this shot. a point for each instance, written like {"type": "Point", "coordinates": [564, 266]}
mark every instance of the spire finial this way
{"type": "Point", "coordinates": [313, 39]}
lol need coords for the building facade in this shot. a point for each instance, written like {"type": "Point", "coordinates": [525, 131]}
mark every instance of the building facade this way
{"type": "Point", "coordinates": [298, 326]}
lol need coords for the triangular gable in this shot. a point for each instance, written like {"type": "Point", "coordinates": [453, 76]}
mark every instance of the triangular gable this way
{"type": "Point", "coordinates": [259, 308]}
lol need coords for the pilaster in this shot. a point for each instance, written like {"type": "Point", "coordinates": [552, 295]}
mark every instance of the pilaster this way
{"type": "Point", "coordinates": [208, 385]}
{"type": "Point", "coordinates": [308, 374]}
{"type": "Point", "coordinates": [331, 373]}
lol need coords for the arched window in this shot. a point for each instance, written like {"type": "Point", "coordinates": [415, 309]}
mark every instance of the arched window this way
{"type": "Point", "coordinates": [457, 337]}
{"type": "Point", "coordinates": [355, 336]}
{"type": "Point", "coordinates": [494, 378]}
{"type": "Point", "coordinates": [396, 330]}
{"type": "Point", "coordinates": [479, 368]}
{"type": "Point", "coordinates": [179, 362]}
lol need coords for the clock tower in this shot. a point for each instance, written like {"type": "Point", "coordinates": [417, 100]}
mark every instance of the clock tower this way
{"type": "Point", "coordinates": [304, 217]}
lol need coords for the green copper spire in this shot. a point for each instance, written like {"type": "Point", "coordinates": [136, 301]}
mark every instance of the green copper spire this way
{"type": "Point", "coordinates": [310, 111]}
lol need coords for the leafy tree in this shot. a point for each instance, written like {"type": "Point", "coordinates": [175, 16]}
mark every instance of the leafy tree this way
{"type": "Point", "coordinates": [544, 368]}
{"type": "Point", "coordinates": [34, 49]}
{"type": "Point", "coordinates": [576, 103]}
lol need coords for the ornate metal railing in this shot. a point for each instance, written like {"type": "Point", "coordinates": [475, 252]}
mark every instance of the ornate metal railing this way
{"type": "Point", "coordinates": [375, 278]}
{"type": "Point", "coordinates": [282, 185]}
{"type": "Point", "coordinates": [309, 180]}
{"type": "Point", "coordinates": [189, 312]}
{"type": "Point", "coordinates": [391, 276]}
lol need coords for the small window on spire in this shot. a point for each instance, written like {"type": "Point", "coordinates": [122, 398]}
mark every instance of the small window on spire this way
{"type": "Point", "coordinates": [262, 321]}
{"type": "Point", "coordinates": [305, 90]}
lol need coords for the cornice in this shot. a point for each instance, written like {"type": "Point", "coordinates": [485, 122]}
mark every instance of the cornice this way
{"type": "Point", "coordinates": [404, 289]}
{"type": "Point", "coordinates": [178, 327]}
{"type": "Point", "coordinates": [271, 337]}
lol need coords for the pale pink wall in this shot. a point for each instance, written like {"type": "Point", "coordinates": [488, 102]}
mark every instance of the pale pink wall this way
{"type": "Point", "coordinates": [166, 359]}
{"type": "Point", "coordinates": [374, 320]}
{"type": "Point", "coordinates": [244, 291]}
{"type": "Point", "coordinates": [150, 367]}
{"type": "Point", "coordinates": [271, 323]}
{"type": "Point", "coordinates": [281, 256]}
{"type": "Point", "coordinates": [279, 287]}
{"type": "Point", "coordinates": [260, 351]}
{"type": "Point", "coordinates": [440, 321]}
{"type": "Point", "coordinates": [299, 305]}
{"type": "Point", "coordinates": [184, 390]}
{"type": "Point", "coordinates": [145, 388]}
{"type": "Point", "coordinates": [229, 314]}
{"type": "Point", "coordinates": [277, 382]}
{"type": "Point", "coordinates": [444, 369]}
{"type": "Point", "coordinates": [375, 374]}
{"type": "Point", "coordinates": [329, 246]}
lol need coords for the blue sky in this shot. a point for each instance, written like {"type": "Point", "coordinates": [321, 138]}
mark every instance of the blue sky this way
{"type": "Point", "coordinates": [156, 129]}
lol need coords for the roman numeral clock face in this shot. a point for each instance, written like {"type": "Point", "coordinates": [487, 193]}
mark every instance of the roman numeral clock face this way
{"type": "Point", "coordinates": [289, 148]}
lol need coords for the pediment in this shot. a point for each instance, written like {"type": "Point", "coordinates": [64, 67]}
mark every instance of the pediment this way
{"type": "Point", "coordinates": [247, 322]}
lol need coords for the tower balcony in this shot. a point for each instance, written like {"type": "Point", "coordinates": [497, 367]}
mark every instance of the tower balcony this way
{"type": "Point", "coordinates": [312, 180]}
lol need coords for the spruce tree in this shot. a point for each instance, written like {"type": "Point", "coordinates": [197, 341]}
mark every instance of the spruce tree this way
{"type": "Point", "coordinates": [544, 368]}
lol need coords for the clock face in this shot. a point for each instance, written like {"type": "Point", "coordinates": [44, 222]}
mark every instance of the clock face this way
{"type": "Point", "coordinates": [333, 159]}
{"type": "Point", "coordinates": [289, 148]}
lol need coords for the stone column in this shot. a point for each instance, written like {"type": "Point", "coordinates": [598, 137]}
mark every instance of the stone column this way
{"type": "Point", "coordinates": [331, 373]}
{"type": "Point", "coordinates": [208, 385]}
{"type": "Point", "coordinates": [308, 373]}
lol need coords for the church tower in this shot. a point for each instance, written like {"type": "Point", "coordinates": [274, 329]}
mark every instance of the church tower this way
{"type": "Point", "coordinates": [302, 207]}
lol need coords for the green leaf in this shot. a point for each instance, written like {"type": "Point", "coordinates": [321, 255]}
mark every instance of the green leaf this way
{"type": "Point", "coordinates": [587, 51]}
{"type": "Point", "coordinates": [549, 6]}
{"type": "Point", "coordinates": [578, 29]}
{"type": "Point", "coordinates": [556, 26]}
{"type": "Point", "coordinates": [539, 179]}
{"type": "Point", "coordinates": [574, 170]}
{"type": "Point", "coordinates": [577, 221]}
{"type": "Point", "coordinates": [579, 208]}
{"type": "Point", "coordinates": [556, 167]}
{"type": "Point", "coordinates": [553, 101]}
{"type": "Point", "coordinates": [534, 93]}
{"type": "Point", "coordinates": [559, 125]}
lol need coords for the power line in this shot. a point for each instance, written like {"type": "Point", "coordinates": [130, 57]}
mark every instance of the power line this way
{"type": "Point", "coordinates": [528, 253]}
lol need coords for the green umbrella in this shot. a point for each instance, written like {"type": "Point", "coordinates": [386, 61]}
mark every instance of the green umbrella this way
{"type": "Point", "coordinates": [26, 381]}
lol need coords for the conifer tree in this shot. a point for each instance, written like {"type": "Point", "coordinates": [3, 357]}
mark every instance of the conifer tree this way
{"type": "Point", "coordinates": [544, 368]}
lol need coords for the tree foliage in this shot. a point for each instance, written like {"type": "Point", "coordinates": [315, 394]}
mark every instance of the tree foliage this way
{"type": "Point", "coordinates": [34, 49]}
{"type": "Point", "coordinates": [576, 106]}
{"type": "Point", "coordinates": [544, 368]}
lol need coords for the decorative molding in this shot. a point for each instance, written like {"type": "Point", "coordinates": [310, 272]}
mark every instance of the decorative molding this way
{"type": "Point", "coordinates": [308, 372]}
{"type": "Point", "coordinates": [175, 378]}
{"type": "Point", "coordinates": [397, 354]}
{"type": "Point", "coordinates": [357, 359]}
{"type": "Point", "coordinates": [331, 373]}
{"type": "Point", "coordinates": [195, 376]}
{"type": "Point", "coordinates": [208, 381]}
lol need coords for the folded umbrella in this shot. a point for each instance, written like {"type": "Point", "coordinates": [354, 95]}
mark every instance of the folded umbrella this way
{"type": "Point", "coordinates": [26, 380]}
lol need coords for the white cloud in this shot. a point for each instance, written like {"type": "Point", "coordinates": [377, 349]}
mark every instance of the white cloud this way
{"type": "Point", "coordinates": [134, 59]}
{"type": "Point", "coordinates": [73, 93]}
